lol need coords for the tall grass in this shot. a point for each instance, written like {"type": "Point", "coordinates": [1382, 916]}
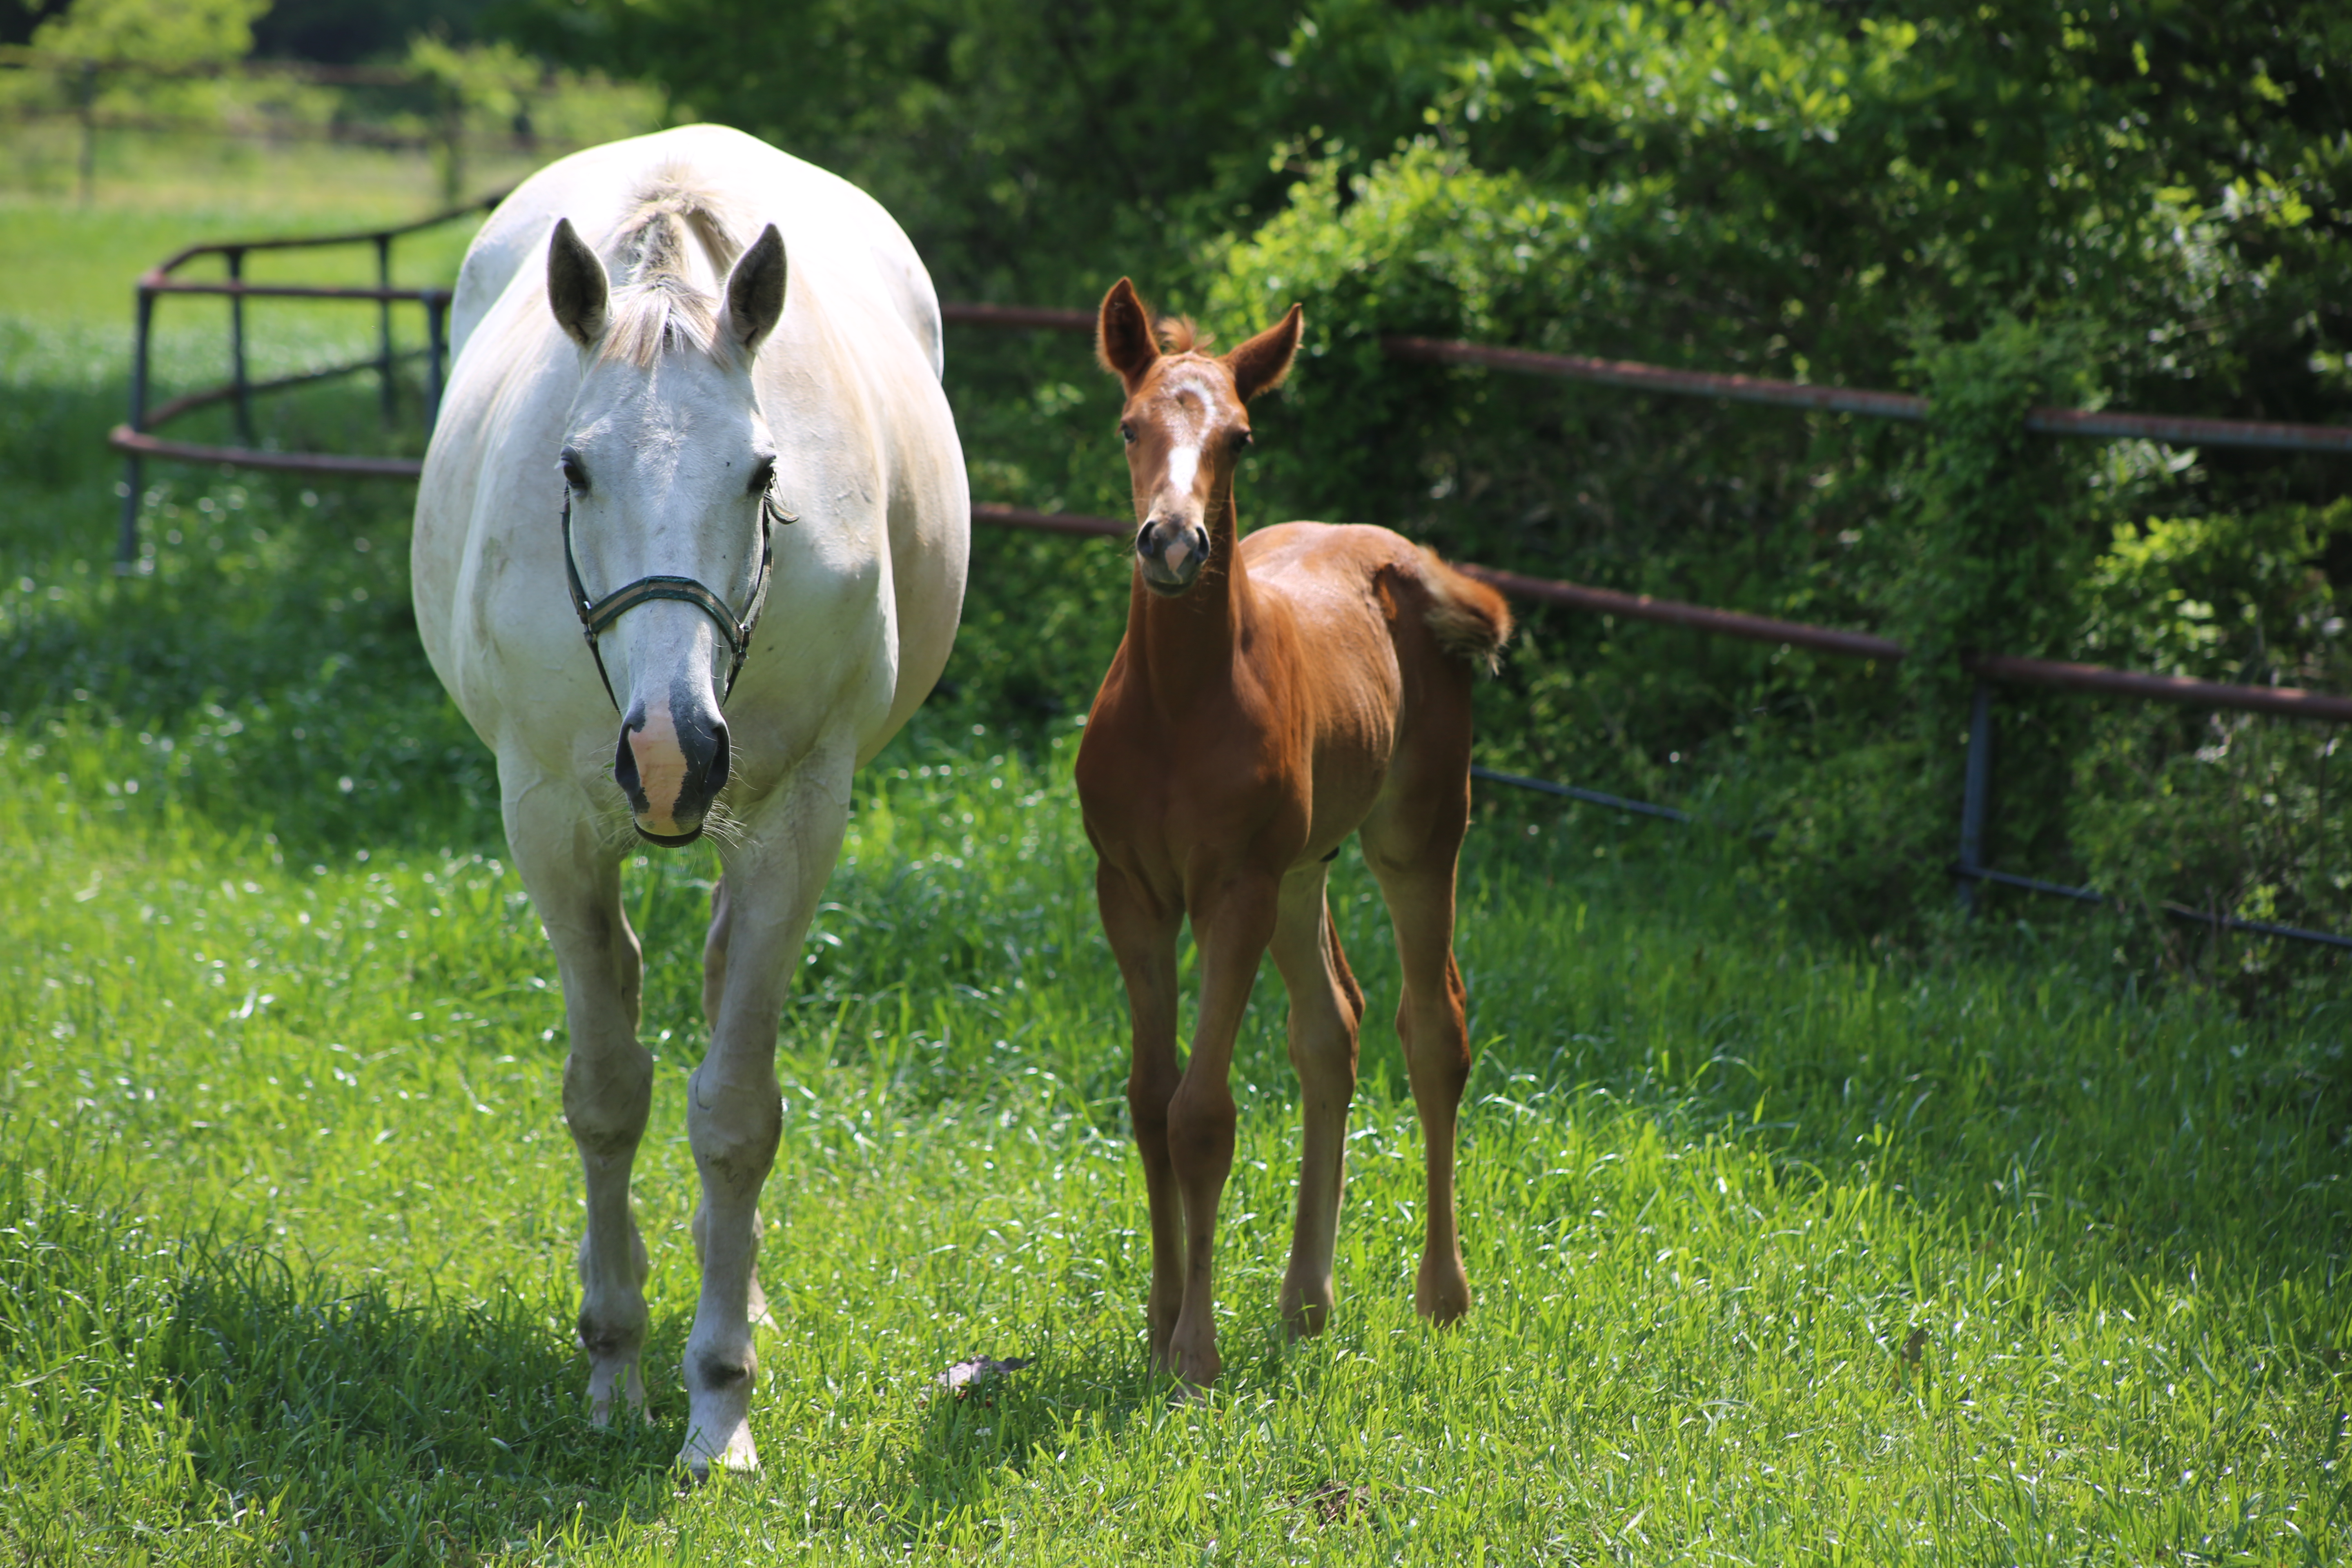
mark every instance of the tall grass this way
{"type": "Point", "coordinates": [1786, 1249]}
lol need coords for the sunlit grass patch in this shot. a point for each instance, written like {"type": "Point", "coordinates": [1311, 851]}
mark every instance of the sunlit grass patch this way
{"type": "Point", "coordinates": [1779, 1254]}
{"type": "Point", "coordinates": [1785, 1250]}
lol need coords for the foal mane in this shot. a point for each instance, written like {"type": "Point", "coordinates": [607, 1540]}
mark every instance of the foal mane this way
{"type": "Point", "coordinates": [1179, 335]}
{"type": "Point", "coordinates": [656, 305]}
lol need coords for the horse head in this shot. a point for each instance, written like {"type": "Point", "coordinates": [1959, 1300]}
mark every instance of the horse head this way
{"type": "Point", "coordinates": [667, 464]}
{"type": "Point", "coordinates": [1186, 424]}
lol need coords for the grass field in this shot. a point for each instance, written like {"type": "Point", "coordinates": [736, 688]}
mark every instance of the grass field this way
{"type": "Point", "coordinates": [1785, 1251]}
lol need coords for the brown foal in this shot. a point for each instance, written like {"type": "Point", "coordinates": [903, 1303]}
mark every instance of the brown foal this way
{"type": "Point", "coordinates": [1271, 697]}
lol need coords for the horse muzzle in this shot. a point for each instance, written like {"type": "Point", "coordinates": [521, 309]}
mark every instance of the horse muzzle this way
{"type": "Point", "coordinates": [1170, 553]}
{"type": "Point", "coordinates": [671, 764]}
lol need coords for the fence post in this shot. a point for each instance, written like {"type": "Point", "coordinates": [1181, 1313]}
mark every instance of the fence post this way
{"type": "Point", "coordinates": [1979, 785]}
{"type": "Point", "coordinates": [134, 477]}
{"type": "Point", "coordinates": [236, 350]}
{"type": "Point", "coordinates": [436, 302]}
{"type": "Point", "coordinates": [89, 131]}
{"type": "Point", "coordinates": [384, 322]}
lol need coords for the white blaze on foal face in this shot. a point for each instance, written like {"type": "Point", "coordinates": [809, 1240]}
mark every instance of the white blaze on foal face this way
{"type": "Point", "coordinates": [1183, 427]}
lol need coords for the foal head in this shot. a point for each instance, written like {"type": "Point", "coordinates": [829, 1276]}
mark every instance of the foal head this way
{"type": "Point", "coordinates": [668, 462]}
{"type": "Point", "coordinates": [1186, 424]}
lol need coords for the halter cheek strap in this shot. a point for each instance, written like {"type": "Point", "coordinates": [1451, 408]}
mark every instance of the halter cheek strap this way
{"type": "Point", "coordinates": [597, 615]}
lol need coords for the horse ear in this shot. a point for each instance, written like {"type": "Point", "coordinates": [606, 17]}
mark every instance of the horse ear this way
{"type": "Point", "coordinates": [1259, 364]}
{"type": "Point", "coordinates": [1123, 334]}
{"type": "Point", "coordinates": [576, 286]}
{"type": "Point", "coordinates": [755, 293]}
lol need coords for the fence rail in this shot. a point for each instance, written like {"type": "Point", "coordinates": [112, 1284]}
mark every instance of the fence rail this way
{"type": "Point", "coordinates": [137, 441]}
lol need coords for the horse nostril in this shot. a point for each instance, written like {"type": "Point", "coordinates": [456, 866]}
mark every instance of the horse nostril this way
{"type": "Point", "coordinates": [624, 765]}
{"type": "Point", "coordinates": [717, 776]}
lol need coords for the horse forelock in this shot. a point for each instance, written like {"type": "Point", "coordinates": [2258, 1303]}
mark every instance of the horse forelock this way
{"type": "Point", "coordinates": [655, 304]}
{"type": "Point", "coordinates": [664, 315]}
{"type": "Point", "coordinates": [1178, 335]}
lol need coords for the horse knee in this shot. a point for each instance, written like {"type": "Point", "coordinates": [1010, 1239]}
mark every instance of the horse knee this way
{"type": "Point", "coordinates": [1325, 1077]}
{"type": "Point", "coordinates": [1200, 1131]}
{"type": "Point", "coordinates": [608, 1098]}
{"type": "Point", "coordinates": [734, 1134]}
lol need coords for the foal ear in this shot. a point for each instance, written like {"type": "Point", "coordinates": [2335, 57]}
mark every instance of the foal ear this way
{"type": "Point", "coordinates": [576, 286]}
{"type": "Point", "coordinates": [1259, 364]}
{"type": "Point", "coordinates": [1123, 335]}
{"type": "Point", "coordinates": [755, 293]}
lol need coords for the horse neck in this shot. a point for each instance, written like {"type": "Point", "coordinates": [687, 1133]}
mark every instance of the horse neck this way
{"type": "Point", "coordinates": [1184, 647]}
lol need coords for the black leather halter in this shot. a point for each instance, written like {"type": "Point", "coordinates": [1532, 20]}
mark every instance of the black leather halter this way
{"type": "Point", "coordinates": [597, 615]}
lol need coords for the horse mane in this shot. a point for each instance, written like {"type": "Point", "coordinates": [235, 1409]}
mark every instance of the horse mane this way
{"type": "Point", "coordinates": [656, 305]}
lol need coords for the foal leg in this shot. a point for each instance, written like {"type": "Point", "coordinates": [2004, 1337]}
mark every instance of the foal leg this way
{"type": "Point", "coordinates": [1231, 926]}
{"type": "Point", "coordinates": [734, 1115]}
{"type": "Point", "coordinates": [1142, 936]}
{"type": "Point", "coordinates": [575, 886]}
{"type": "Point", "coordinates": [1413, 854]}
{"type": "Point", "coordinates": [1325, 1008]}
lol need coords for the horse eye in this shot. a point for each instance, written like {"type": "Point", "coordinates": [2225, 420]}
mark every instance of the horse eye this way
{"type": "Point", "coordinates": [574, 474]}
{"type": "Point", "coordinates": [1243, 439]}
{"type": "Point", "coordinates": [1126, 432]}
{"type": "Point", "coordinates": [764, 476]}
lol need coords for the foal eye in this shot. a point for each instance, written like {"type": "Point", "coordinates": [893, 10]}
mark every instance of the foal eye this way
{"type": "Point", "coordinates": [574, 474]}
{"type": "Point", "coordinates": [1126, 432]}
{"type": "Point", "coordinates": [1243, 439]}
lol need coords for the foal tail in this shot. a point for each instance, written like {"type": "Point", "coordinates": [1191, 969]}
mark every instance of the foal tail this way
{"type": "Point", "coordinates": [1468, 618]}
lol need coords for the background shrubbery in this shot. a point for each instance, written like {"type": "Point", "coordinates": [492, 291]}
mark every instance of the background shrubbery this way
{"type": "Point", "coordinates": [1995, 206]}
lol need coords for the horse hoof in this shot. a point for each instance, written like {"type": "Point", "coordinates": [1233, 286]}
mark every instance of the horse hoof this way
{"type": "Point", "coordinates": [739, 1457]}
{"type": "Point", "coordinates": [1443, 1301]}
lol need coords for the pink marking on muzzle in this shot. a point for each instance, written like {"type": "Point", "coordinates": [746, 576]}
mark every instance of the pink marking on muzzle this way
{"type": "Point", "coordinates": [661, 767]}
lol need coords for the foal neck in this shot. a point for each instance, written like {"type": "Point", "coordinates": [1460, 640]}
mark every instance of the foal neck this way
{"type": "Point", "coordinates": [1185, 646]}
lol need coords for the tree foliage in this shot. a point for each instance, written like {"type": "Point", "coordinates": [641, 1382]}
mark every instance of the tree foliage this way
{"type": "Point", "coordinates": [2142, 203]}
{"type": "Point", "coordinates": [152, 32]}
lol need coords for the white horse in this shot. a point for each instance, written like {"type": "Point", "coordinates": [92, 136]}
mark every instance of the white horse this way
{"type": "Point", "coordinates": [631, 429]}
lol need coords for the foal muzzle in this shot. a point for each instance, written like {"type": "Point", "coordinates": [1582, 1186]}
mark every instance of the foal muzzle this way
{"type": "Point", "coordinates": [1171, 551]}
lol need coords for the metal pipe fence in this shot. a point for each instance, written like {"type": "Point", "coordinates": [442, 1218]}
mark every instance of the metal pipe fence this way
{"type": "Point", "coordinates": [136, 440]}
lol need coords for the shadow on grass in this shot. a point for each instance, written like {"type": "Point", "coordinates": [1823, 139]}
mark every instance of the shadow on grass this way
{"type": "Point", "coordinates": [178, 1385]}
{"type": "Point", "coordinates": [395, 1429]}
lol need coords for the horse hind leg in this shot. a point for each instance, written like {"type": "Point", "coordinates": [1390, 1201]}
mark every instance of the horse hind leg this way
{"type": "Point", "coordinates": [1412, 853]}
{"type": "Point", "coordinates": [714, 953]}
{"type": "Point", "coordinates": [1326, 1009]}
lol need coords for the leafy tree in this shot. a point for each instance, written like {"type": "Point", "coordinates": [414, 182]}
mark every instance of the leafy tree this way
{"type": "Point", "coordinates": [153, 32]}
{"type": "Point", "coordinates": [2143, 202]}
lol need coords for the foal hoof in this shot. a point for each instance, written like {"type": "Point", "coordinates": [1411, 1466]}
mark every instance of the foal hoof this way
{"type": "Point", "coordinates": [1442, 1299]}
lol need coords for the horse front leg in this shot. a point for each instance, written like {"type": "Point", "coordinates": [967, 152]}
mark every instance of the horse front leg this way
{"type": "Point", "coordinates": [774, 877]}
{"type": "Point", "coordinates": [1232, 928]}
{"type": "Point", "coordinates": [575, 886]}
{"type": "Point", "coordinates": [714, 988]}
{"type": "Point", "coordinates": [1142, 935]}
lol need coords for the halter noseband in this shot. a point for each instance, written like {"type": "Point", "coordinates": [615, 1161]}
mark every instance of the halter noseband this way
{"type": "Point", "coordinates": [597, 615]}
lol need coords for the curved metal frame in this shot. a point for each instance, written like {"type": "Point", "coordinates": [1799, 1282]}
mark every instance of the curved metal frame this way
{"type": "Point", "coordinates": [135, 439]}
